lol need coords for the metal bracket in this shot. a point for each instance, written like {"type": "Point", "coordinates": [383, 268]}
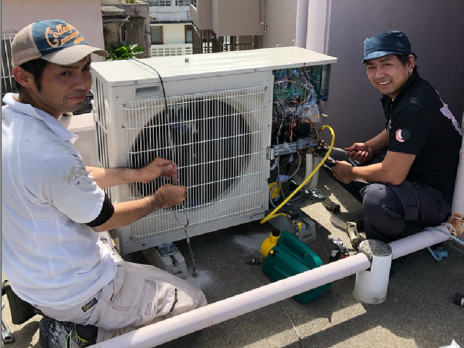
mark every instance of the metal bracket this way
{"type": "Point", "coordinates": [289, 148]}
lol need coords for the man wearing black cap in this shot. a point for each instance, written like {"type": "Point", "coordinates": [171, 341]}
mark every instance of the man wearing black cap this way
{"type": "Point", "coordinates": [407, 172]}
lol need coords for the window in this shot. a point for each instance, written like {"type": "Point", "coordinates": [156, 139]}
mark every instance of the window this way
{"type": "Point", "coordinates": [188, 34]}
{"type": "Point", "coordinates": [156, 35]}
{"type": "Point", "coordinates": [158, 2]}
{"type": "Point", "coordinates": [182, 2]}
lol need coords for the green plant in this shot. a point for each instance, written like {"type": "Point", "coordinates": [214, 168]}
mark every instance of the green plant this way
{"type": "Point", "coordinates": [122, 51]}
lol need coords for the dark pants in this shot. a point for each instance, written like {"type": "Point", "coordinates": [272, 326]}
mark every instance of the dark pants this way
{"type": "Point", "coordinates": [387, 208]}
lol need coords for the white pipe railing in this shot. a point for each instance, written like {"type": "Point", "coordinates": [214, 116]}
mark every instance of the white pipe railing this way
{"type": "Point", "coordinates": [217, 312]}
{"type": "Point", "coordinates": [183, 324]}
{"type": "Point", "coordinates": [214, 313]}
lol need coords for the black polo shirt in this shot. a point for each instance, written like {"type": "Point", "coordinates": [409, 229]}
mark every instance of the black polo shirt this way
{"type": "Point", "coordinates": [419, 123]}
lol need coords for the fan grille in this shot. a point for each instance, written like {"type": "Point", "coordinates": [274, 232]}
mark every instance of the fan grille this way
{"type": "Point", "coordinates": [215, 138]}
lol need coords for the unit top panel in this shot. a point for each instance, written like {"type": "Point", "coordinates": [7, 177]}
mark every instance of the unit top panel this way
{"type": "Point", "coordinates": [125, 72]}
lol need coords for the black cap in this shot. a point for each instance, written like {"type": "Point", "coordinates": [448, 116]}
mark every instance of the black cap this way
{"type": "Point", "coordinates": [393, 42]}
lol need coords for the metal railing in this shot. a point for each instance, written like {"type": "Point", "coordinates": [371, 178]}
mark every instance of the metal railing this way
{"type": "Point", "coordinates": [7, 69]}
{"type": "Point", "coordinates": [171, 50]}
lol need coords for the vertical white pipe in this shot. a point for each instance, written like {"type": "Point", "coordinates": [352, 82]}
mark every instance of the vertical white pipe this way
{"type": "Point", "coordinates": [315, 179]}
{"type": "Point", "coordinates": [301, 23]}
{"type": "Point", "coordinates": [457, 210]}
{"type": "Point", "coordinates": [309, 168]}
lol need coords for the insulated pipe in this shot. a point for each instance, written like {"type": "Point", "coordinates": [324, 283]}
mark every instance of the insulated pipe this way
{"type": "Point", "coordinates": [308, 168]}
{"type": "Point", "coordinates": [217, 312]}
{"type": "Point", "coordinates": [301, 23]}
{"type": "Point", "coordinates": [457, 211]}
{"type": "Point", "coordinates": [315, 180]}
{"type": "Point", "coordinates": [415, 242]}
{"type": "Point", "coordinates": [183, 324]}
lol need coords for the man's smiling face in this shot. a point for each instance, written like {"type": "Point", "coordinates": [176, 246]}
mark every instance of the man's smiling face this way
{"type": "Point", "coordinates": [388, 73]}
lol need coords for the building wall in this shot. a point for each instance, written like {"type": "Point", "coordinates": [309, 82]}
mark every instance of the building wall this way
{"type": "Point", "coordinates": [280, 23]}
{"type": "Point", "coordinates": [170, 13]}
{"type": "Point", "coordinates": [236, 18]}
{"type": "Point", "coordinates": [338, 28]}
{"type": "Point", "coordinates": [173, 33]}
{"type": "Point", "coordinates": [16, 14]}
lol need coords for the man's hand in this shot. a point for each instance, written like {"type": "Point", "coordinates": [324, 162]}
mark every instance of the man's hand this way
{"type": "Point", "coordinates": [109, 177]}
{"type": "Point", "coordinates": [392, 170]}
{"type": "Point", "coordinates": [343, 172]}
{"type": "Point", "coordinates": [360, 152]}
{"type": "Point", "coordinates": [170, 195]}
{"type": "Point", "coordinates": [158, 167]}
{"type": "Point", "coordinates": [130, 211]}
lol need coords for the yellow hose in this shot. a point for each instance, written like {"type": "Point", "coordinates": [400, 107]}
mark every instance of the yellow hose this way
{"type": "Point", "coordinates": [276, 215]}
{"type": "Point", "coordinates": [271, 215]}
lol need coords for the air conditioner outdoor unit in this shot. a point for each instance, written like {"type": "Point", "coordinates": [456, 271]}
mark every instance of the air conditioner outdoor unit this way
{"type": "Point", "coordinates": [217, 129]}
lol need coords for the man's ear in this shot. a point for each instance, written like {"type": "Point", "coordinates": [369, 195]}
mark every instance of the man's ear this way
{"type": "Point", "coordinates": [23, 77]}
{"type": "Point", "coordinates": [412, 61]}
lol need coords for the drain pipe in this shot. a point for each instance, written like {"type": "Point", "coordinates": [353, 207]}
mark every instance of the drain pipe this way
{"type": "Point", "coordinates": [217, 312]}
{"type": "Point", "coordinates": [186, 323]}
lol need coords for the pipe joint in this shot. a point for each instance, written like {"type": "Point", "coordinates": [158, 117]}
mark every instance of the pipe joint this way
{"type": "Point", "coordinates": [371, 285]}
{"type": "Point", "coordinates": [372, 248]}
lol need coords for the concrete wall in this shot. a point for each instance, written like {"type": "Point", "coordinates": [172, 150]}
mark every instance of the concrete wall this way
{"type": "Point", "coordinates": [16, 14]}
{"type": "Point", "coordinates": [280, 23]}
{"type": "Point", "coordinates": [338, 28]}
{"type": "Point", "coordinates": [236, 18]}
{"type": "Point", "coordinates": [170, 13]}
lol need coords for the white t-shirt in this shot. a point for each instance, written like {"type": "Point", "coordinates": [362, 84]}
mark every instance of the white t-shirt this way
{"type": "Point", "coordinates": [49, 254]}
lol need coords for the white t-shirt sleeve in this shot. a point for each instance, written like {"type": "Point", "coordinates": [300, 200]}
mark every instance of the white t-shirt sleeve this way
{"type": "Point", "coordinates": [63, 181]}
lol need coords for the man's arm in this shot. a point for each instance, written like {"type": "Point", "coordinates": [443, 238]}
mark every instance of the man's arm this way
{"type": "Point", "coordinates": [363, 151]}
{"type": "Point", "coordinates": [108, 177]}
{"type": "Point", "coordinates": [128, 212]}
{"type": "Point", "coordinates": [392, 170]}
{"type": "Point", "coordinates": [379, 142]}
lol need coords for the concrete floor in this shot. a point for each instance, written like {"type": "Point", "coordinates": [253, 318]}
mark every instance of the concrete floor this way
{"type": "Point", "coordinates": [418, 311]}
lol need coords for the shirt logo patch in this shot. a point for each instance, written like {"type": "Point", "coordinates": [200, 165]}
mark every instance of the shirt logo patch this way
{"type": "Point", "coordinates": [402, 135]}
{"type": "Point", "coordinates": [74, 174]}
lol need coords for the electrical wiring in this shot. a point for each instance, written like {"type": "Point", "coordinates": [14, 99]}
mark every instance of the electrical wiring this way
{"type": "Point", "coordinates": [279, 183]}
{"type": "Point", "coordinates": [185, 225]}
{"type": "Point", "coordinates": [305, 181]}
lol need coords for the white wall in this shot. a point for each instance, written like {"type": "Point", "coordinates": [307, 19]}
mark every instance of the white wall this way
{"type": "Point", "coordinates": [173, 33]}
{"type": "Point", "coordinates": [85, 15]}
{"type": "Point", "coordinates": [170, 13]}
{"type": "Point", "coordinates": [338, 28]}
